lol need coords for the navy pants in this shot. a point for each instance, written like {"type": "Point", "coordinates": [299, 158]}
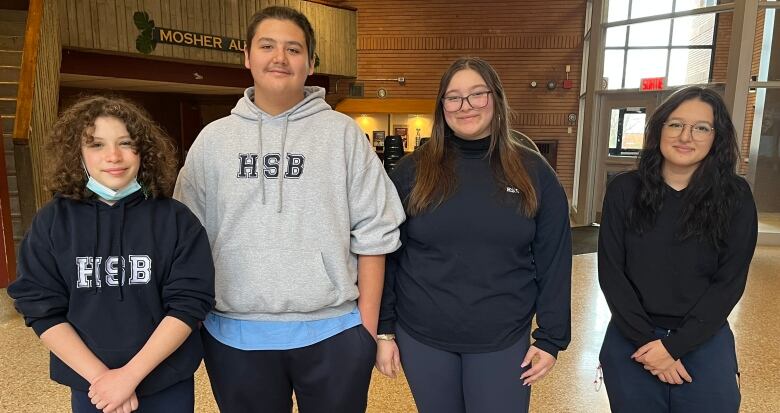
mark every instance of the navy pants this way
{"type": "Point", "coordinates": [330, 376]}
{"type": "Point", "coordinates": [712, 366]}
{"type": "Point", "coordinates": [179, 398]}
{"type": "Point", "coordinates": [447, 382]}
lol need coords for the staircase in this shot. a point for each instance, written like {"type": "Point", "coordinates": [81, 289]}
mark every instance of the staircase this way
{"type": "Point", "coordinates": [12, 24]}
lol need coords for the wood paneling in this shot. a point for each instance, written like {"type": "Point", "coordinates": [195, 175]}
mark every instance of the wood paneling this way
{"type": "Point", "coordinates": [107, 25]}
{"type": "Point", "coordinates": [36, 103]}
{"type": "Point", "coordinates": [44, 113]}
{"type": "Point", "coordinates": [530, 40]}
{"type": "Point", "coordinates": [397, 106]}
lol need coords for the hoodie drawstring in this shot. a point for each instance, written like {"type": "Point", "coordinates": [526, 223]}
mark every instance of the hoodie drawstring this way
{"type": "Point", "coordinates": [260, 154]}
{"type": "Point", "coordinates": [95, 268]}
{"type": "Point", "coordinates": [122, 250]}
{"type": "Point", "coordinates": [122, 264]}
{"type": "Point", "coordinates": [282, 156]}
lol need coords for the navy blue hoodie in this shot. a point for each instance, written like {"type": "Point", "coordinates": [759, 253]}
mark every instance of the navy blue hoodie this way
{"type": "Point", "coordinates": [153, 260]}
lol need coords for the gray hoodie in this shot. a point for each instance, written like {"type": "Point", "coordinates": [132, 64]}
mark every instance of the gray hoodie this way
{"type": "Point", "coordinates": [289, 202]}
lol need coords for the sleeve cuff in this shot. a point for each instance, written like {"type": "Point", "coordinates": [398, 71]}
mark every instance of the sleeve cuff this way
{"type": "Point", "coordinates": [673, 346]}
{"type": "Point", "coordinates": [547, 347]}
{"type": "Point", "coordinates": [185, 318]}
{"type": "Point", "coordinates": [41, 325]}
{"type": "Point", "coordinates": [386, 327]}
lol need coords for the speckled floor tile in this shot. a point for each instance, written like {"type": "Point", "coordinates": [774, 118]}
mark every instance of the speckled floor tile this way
{"type": "Point", "coordinates": [25, 386]}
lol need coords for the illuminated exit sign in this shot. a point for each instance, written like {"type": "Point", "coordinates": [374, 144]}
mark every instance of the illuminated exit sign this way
{"type": "Point", "coordinates": [652, 83]}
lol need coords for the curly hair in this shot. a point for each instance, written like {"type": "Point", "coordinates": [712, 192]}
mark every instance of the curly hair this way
{"type": "Point", "coordinates": [712, 193]}
{"type": "Point", "coordinates": [157, 172]}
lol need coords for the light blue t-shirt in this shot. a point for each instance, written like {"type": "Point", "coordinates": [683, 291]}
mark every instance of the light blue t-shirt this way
{"type": "Point", "coordinates": [277, 335]}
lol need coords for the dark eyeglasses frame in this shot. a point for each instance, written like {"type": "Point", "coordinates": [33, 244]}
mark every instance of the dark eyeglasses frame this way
{"type": "Point", "coordinates": [466, 98]}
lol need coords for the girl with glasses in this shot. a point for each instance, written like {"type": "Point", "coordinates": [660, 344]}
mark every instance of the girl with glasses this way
{"type": "Point", "coordinates": [676, 240]}
{"type": "Point", "coordinates": [486, 246]}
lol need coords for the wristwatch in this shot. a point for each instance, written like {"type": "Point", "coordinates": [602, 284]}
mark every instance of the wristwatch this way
{"type": "Point", "coordinates": [386, 337]}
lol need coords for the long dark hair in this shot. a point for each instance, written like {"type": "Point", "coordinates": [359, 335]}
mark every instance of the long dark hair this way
{"type": "Point", "coordinates": [710, 196]}
{"type": "Point", "coordinates": [435, 178]}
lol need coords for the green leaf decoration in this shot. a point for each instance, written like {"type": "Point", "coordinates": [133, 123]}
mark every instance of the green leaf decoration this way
{"type": "Point", "coordinates": [143, 44]}
{"type": "Point", "coordinates": [141, 19]}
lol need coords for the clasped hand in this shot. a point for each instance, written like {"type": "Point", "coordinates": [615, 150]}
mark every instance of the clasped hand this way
{"type": "Point", "coordinates": [114, 391]}
{"type": "Point", "coordinates": [657, 360]}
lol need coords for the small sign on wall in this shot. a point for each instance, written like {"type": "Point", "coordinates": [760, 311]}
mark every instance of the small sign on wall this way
{"type": "Point", "coordinates": [402, 131]}
{"type": "Point", "coordinates": [379, 138]}
{"type": "Point", "coordinates": [150, 35]}
{"type": "Point", "coordinates": [652, 83]}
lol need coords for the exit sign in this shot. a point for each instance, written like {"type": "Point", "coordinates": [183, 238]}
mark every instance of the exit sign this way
{"type": "Point", "coordinates": [652, 83]}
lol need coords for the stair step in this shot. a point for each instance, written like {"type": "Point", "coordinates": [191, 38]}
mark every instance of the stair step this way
{"type": "Point", "coordinates": [8, 127]}
{"type": "Point", "coordinates": [9, 73]}
{"type": "Point", "coordinates": [12, 28]}
{"type": "Point", "coordinates": [10, 57]}
{"type": "Point", "coordinates": [7, 15]}
{"type": "Point", "coordinates": [9, 89]}
{"type": "Point", "coordinates": [12, 42]}
{"type": "Point", "coordinates": [7, 105]}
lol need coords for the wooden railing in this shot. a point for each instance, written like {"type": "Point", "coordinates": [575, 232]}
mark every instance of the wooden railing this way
{"type": "Point", "coordinates": [26, 91]}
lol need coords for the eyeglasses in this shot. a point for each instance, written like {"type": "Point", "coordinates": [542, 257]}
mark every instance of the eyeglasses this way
{"type": "Point", "coordinates": [699, 131]}
{"type": "Point", "coordinates": [477, 100]}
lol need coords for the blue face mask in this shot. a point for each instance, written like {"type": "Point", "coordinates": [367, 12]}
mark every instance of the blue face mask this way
{"type": "Point", "coordinates": [109, 194]}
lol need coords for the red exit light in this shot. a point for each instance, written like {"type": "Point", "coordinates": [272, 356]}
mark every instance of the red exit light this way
{"type": "Point", "coordinates": [652, 83]}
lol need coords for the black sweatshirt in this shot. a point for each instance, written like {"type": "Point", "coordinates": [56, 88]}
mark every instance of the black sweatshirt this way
{"type": "Point", "coordinates": [168, 271]}
{"type": "Point", "coordinates": [657, 280]}
{"type": "Point", "coordinates": [472, 272]}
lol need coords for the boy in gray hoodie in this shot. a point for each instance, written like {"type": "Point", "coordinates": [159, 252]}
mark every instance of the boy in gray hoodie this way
{"type": "Point", "coordinates": [299, 213]}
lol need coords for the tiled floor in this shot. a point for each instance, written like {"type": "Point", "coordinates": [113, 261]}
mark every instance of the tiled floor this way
{"type": "Point", "coordinates": [25, 387]}
{"type": "Point", "coordinates": [769, 222]}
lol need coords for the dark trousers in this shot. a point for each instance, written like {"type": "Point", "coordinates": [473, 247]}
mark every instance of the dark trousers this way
{"type": "Point", "coordinates": [447, 382]}
{"type": "Point", "coordinates": [330, 376]}
{"type": "Point", "coordinates": [179, 398]}
{"type": "Point", "coordinates": [712, 366]}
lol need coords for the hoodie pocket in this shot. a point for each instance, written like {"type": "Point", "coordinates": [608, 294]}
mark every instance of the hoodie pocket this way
{"type": "Point", "coordinates": [272, 281]}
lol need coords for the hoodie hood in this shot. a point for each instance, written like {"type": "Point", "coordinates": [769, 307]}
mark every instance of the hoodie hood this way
{"type": "Point", "coordinates": [313, 102]}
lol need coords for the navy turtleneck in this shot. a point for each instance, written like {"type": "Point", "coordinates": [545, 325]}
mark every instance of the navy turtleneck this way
{"type": "Point", "coordinates": [476, 148]}
{"type": "Point", "coordinates": [473, 271]}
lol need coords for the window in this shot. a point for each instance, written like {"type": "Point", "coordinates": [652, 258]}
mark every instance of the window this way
{"type": "Point", "coordinates": [679, 49]}
{"type": "Point", "coordinates": [626, 131]}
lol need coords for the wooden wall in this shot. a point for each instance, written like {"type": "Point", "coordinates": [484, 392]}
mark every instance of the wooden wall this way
{"type": "Point", "coordinates": [44, 106]}
{"type": "Point", "coordinates": [524, 40]}
{"type": "Point", "coordinates": [107, 25]}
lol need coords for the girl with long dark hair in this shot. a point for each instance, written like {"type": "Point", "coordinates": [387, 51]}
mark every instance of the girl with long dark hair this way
{"type": "Point", "coordinates": [676, 240]}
